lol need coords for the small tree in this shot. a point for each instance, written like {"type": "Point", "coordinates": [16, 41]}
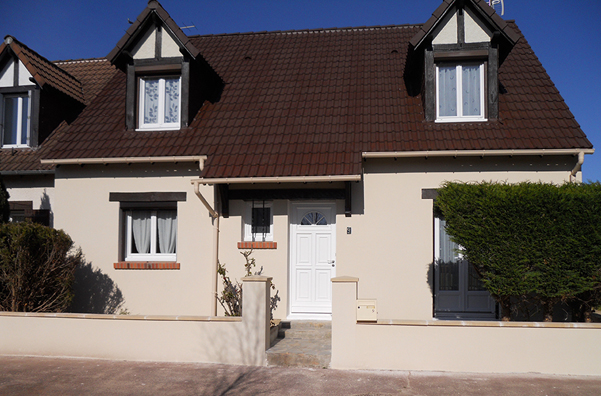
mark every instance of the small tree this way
{"type": "Point", "coordinates": [231, 295]}
{"type": "Point", "coordinates": [37, 266]}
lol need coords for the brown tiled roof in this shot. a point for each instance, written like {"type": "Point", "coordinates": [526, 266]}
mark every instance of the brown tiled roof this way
{"type": "Point", "coordinates": [45, 72]}
{"type": "Point", "coordinates": [310, 102]}
{"type": "Point", "coordinates": [93, 74]}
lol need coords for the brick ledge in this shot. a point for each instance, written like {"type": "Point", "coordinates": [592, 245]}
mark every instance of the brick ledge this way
{"type": "Point", "coordinates": [257, 245]}
{"type": "Point", "coordinates": [146, 265]}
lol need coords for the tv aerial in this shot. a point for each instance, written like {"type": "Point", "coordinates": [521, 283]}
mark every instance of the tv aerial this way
{"type": "Point", "coordinates": [497, 5]}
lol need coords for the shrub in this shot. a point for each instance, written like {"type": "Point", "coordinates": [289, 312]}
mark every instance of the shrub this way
{"type": "Point", "coordinates": [37, 266]}
{"type": "Point", "coordinates": [4, 206]}
{"type": "Point", "coordinates": [529, 240]}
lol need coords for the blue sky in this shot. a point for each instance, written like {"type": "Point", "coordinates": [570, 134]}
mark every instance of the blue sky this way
{"type": "Point", "coordinates": [565, 35]}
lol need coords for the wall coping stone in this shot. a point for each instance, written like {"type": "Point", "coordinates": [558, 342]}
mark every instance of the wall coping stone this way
{"type": "Point", "coordinates": [478, 323]}
{"type": "Point", "coordinates": [175, 318]}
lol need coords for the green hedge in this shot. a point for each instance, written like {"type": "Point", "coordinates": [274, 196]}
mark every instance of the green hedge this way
{"type": "Point", "coordinates": [530, 242]}
{"type": "Point", "coordinates": [37, 266]}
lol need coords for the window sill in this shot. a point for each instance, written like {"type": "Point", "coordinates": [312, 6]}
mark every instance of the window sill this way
{"type": "Point", "coordinates": [257, 245]}
{"type": "Point", "coordinates": [146, 265]}
{"type": "Point", "coordinates": [154, 129]}
{"type": "Point", "coordinates": [459, 120]}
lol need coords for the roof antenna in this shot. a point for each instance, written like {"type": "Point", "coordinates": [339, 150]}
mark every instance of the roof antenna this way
{"type": "Point", "coordinates": [495, 6]}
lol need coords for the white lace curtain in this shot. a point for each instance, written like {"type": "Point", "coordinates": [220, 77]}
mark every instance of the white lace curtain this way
{"type": "Point", "coordinates": [165, 91]}
{"type": "Point", "coordinates": [447, 91]}
{"type": "Point", "coordinates": [471, 90]}
{"type": "Point", "coordinates": [167, 229]}
{"type": "Point", "coordinates": [151, 101]}
{"type": "Point", "coordinates": [171, 100]}
{"type": "Point", "coordinates": [448, 261]}
{"type": "Point", "coordinates": [140, 225]}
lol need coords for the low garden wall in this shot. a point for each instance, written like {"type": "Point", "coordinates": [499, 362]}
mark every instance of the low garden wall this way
{"type": "Point", "coordinates": [459, 346]}
{"type": "Point", "coordinates": [232, 340]}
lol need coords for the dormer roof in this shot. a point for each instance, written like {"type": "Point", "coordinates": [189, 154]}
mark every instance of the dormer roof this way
{"type": "Point", "coordinates": [42, 70]}
{"type": "Point", "coordinates": [153, 14]}
{"type": "Point", "coordinates": [483, 12]}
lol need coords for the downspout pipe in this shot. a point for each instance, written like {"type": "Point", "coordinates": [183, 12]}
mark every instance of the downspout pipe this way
{"type": "Point", "coordinates": [577, 167]}
{"type": "Point", "coordinates": [215, 260]}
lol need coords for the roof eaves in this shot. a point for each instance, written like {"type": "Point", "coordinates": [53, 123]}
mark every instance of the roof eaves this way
{"type": "Point", "coordinates": [431, 22]}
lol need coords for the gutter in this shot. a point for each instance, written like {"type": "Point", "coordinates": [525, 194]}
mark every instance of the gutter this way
{"type": "Point", "coordinates": [475, 153]}
{"type": "Point", "coordinates": [212, 211]}
{"type": "Point", "coordinates": [127, 160]}
{"type": "Point", "coordinates": [578, 166]}
{"type": "Point", "coordinates": [27, 172]}
{"type": "Point", "coordinates": [215, 217]}
{"type": "Point", "coordinates": [278, 179]}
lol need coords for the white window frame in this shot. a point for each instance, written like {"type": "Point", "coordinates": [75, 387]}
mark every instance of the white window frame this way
{"type": "Point", "coordinates": [248, 234]}
{"type": "Point", "coordinates": [20, 96]}
{"type": "Point", "coordinates": [153, 255]}
{"type": "Point", "coordinates": [459, 73]}
{"type": "Point", "coordinates": [161, 125]}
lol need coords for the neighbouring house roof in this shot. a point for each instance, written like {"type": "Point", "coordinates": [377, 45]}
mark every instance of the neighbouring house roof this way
{"type": "Point", "coordinates": [309, 102]}
{"type": "Point", "coordinates": [43, 71]}
{"type": "Point", "coordinates": [91, 74]}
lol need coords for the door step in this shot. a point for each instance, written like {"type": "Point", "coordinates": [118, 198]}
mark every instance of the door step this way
{"type": "Point", "coordinates": [302, 344]}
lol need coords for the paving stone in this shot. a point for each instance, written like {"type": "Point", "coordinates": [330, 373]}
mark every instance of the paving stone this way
{"type": "Point", "coordinates": [302, 344]}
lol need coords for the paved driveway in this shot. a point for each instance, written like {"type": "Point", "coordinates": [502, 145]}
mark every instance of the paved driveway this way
{"type": "Point", "coordinates": [63, 377]}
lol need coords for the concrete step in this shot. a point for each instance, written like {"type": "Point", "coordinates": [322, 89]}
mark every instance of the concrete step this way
{"type": "Point", "coordinates": [302, 344]}
{"type": "Point", "coordinates": [306, 324]}
{"type": "Point", "coordinates": [305, 329]}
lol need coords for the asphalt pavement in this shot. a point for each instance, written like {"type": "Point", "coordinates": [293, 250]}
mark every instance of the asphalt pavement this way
{"type": "Point", "coordinates": [67, 376]}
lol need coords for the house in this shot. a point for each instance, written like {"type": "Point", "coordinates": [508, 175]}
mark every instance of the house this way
{"type": "Point", "coordinates": [320, 150]}
{"type": "Point", "coordinates": [38, 97]}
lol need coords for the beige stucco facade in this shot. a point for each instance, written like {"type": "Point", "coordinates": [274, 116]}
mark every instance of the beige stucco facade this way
{"type": "Point", "coordinates": [387, 242]}
{"type": "Point", "coordinates": [39, 189]}
{"type": "Point", "coordinates": [446, 33]}
{"type": "Point", "coordinates": [82, 208]}
{"type": "Point", "coordinates": [391, 246]}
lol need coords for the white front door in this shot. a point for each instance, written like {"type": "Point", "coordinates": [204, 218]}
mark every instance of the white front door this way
{"type": "Point", "coordinates": [312, 259]}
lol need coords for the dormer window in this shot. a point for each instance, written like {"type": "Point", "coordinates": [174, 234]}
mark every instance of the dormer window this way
{"type": "Point", "coordinates": [460, 92]}
{"type": "Point", "coordinates": [160, 103]}
{"type": "Point", "coordinates": [16, 114]}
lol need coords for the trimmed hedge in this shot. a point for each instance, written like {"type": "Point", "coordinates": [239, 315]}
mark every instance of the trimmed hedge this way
{"type": "Point", "coordinates": [530, 242]}
{"type": "Point", "coordinates": [37, 267]}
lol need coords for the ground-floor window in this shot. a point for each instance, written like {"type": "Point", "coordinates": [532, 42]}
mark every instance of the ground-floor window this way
{"type": "Point", "coordinates": [23, 211]}
{"type": "Point", "coordinates": [258, 221]}
{"type": "Point", "coordinates": [458, 292]}
{"type": "Point", "coordinates": [151, 235]}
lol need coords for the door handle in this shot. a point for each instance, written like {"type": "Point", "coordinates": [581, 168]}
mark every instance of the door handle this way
{"type": "Point", "coordinates": [333, 262]}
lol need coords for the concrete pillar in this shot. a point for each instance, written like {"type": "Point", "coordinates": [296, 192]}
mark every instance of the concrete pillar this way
{"type": "Point", "coordinates": [255, 316]}
{"type": "Point", "coordinates": [344, 321]}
